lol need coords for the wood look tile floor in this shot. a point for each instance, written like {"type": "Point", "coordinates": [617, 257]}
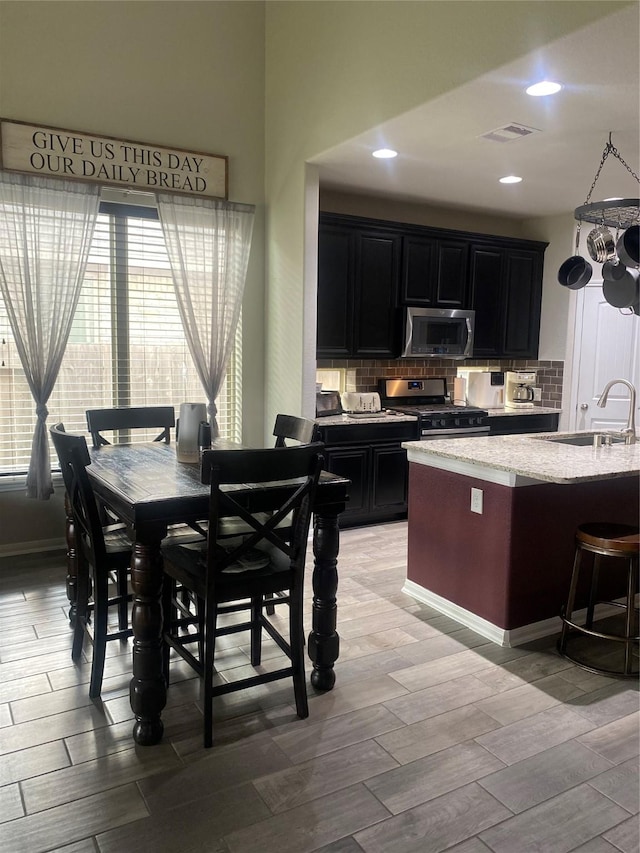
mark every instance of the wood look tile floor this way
{"type": "Point", "coordinates": [433, 739]}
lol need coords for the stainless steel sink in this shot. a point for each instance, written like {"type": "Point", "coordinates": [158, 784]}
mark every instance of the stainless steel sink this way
{"type": "Point", "coordinates": [591, 439]}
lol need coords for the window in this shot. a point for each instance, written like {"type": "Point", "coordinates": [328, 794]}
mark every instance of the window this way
{"type": "Point", "coordinates": [126, 346]}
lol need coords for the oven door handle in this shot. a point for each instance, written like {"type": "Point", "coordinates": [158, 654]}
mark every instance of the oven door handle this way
{"type": "Point", "coordinates": [456, 431]}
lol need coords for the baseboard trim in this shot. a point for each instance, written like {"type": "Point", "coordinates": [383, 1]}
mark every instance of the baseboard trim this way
{"type": "Point", "coordinates": [15, 549]}
{"type": "Point", "coordinates": [498, 635]}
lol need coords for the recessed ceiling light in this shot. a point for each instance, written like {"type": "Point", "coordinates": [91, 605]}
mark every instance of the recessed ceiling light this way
{"type": "Point", "coordinates": [545, 87]}
{"type": "Point", "coordinates": [510, 179]}
{"type": "Point", "coordinates": [385, 153]}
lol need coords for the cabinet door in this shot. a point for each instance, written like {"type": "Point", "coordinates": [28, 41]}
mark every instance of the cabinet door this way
{"type": "Point", "coordinates": [522, 296]}
{"type": "Point", "coordinates": [389, 478]}
{"type": "Point", "coordinates": [375, 317]}
{"type": "Point", "coordinates": [486, 300]}
{"type": "Point", "coordinates": [352, 463]}
{"type": "Point", "coordinates": [451, 276]}
{"type": "Point", "coordinates": [336, 269]}
{"type": "Point", "coordinates": [513, 424]}
{"type": "Point", "coordinates": [434, 272]}
{"type": "Point", "coordinates": [419, 268]}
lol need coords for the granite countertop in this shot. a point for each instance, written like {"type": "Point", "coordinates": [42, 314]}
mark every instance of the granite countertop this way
{"type": "Point", "coordinates": [392, 417]}
{"type": "Point", "coordinates": [515, 460]}
{"type": "Point", "coordinates": [535, 410]}
{"type": "Point", "coordinates": [342, 420]}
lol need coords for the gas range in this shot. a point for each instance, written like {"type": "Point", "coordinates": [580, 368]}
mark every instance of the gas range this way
{"type": "Point", "coordinates": [426, 398]}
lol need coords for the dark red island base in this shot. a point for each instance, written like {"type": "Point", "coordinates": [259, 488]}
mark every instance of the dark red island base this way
{"type": "Point", "coordinates": [505, 572]}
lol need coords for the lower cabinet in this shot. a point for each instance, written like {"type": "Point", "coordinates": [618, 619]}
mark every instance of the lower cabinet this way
{"type": "Point", "coordinates": [511, 424]}
{"type": "Point", "coordinates": [371, 457]}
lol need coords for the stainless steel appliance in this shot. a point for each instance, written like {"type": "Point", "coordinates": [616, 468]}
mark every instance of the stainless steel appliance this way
{"type": "Point", "coordinates": [519, 389]}
{"type": "Point", "coordinates": [438, 333]}
{"type": "Point", "coordinates": [485, 388]}
{"type": "Point", "coordinates": [360, 402]}
{"type": "Point", "coordinates": [437, 416]}
{"type": "Point", "coordinates": [328, 403]}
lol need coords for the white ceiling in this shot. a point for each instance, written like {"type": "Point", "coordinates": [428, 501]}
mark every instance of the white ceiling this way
{"type": "Point", "coordinates": [442, 160]}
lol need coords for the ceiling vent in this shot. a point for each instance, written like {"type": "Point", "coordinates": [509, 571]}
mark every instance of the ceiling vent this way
{"type": "Point", "coordinates": [509, 133]}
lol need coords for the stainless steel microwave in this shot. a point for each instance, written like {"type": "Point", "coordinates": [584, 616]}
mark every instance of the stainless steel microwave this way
{"type": "Point", "coordinates": [438, 333]}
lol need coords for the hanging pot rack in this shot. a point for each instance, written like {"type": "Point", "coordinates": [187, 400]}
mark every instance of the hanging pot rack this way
{"type": "Point", "coordinates": [614, 213]}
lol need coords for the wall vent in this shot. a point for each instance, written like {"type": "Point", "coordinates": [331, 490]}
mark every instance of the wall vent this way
{"type": "Point", "coordinates": [509, 133]}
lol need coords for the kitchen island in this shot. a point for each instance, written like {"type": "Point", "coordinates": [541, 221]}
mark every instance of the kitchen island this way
{"type": "Point", "coordinates": [503, 567]}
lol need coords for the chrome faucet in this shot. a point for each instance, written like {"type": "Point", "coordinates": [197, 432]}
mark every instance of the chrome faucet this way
{"type": "Point", "coordinates": [629, 431]}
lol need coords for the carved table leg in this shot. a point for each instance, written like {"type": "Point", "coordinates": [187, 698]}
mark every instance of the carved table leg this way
{"type": "Point", "coordinates": [148, 691]}
{"type": "Point", "coordinates": [324, 643]}
{"type": "Point", "coordinates": [72, 560]}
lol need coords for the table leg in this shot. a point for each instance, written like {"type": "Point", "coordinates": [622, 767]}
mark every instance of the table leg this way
{"type": "Point", "coordinates": [72, 560]}
{"type": "Point", "coordinates": [148, 690]}
{"type": "Point", "coordinates": [323, 642]}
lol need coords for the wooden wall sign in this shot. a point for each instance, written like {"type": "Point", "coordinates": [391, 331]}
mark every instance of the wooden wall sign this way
{"type": "Point", "coordinates": [34, 149]}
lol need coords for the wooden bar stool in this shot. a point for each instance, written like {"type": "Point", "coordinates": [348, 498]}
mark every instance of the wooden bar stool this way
{"type": "Point", "coordinates": [604, 539]}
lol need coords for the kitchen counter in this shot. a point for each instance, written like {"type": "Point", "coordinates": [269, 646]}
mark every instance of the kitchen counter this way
{"type": "Point", "coordinates": [516, 460]}
{"type": "Point", "coordinates": [341, 420]}
{"type": "Point", "coordinates": [535, 410]}
{"type": "Point", "coordinates": [345, 420]}
{"type": "Point", "coordinates": [492, 526]}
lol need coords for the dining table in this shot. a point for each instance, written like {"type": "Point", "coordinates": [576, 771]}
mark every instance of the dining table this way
{"type": "Point", "coordinates": [149, 490]}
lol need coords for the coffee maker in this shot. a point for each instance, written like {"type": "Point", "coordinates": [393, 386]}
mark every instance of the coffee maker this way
{"type": "Point", "coordinates": [519, 393]}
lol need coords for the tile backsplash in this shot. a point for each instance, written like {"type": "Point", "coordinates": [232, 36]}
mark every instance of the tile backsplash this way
{"type": "Point", "coordinates": [363, 375]}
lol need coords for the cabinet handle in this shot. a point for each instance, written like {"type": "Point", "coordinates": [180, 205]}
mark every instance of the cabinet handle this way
{"type": "Point", "coordinates": [584, 406]}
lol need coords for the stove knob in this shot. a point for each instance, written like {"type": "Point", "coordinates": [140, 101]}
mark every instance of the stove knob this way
{"type": "Point", "coordinates": [442, 422]}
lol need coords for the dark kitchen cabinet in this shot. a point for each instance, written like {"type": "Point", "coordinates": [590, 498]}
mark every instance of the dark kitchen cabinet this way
{"type": "Point", "coordinates": [506, 294]}
{"type": "Point", "coordinates": [434, 271]}
{"type": "Point", "coordinates": [353, 463]}
{"type": "Point", "coordinates": [369, 270]}
{"type": "Point", "coordinates": [336, 260]}
{"type": "Point", "coordinates": [371, 456]}
{"type": "Point", "coordinates": [512, 424]}
{"type": "Point", "coordinates": [358, 276]}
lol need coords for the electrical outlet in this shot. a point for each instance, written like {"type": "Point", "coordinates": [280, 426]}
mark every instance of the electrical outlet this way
{"type": "Point", "coordinates": [476, 500]}
{"type": "Point", "coordinates": [537, 394]}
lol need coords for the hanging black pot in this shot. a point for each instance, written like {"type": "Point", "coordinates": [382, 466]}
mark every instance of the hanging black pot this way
{"type": "Point", "coordinates": [576, 271]}
{"type": "Point", "coordinates": [622, 293]}
{"type": "Point", "coordinates": [628, 247]}
{"type": "Point", "coordinates": [613, 271]}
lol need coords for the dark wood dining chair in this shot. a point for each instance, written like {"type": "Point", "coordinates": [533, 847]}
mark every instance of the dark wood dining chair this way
{"type": "Point", "coordinates": [291, 428]}
{"type": "Point", "coordinates": [286, 428]}
{"type": "Point", "coordinates": [104, 553]}
{"type": "Point", "coordinates": [127, 418]}
{"type": "Point", "coordinates": [261, 564]}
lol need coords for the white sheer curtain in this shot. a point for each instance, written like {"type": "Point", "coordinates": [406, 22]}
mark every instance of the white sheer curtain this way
{"type": "Point", "coordinates": [208, 244]}
{"type": "Point", "coordinates": [46, 225]}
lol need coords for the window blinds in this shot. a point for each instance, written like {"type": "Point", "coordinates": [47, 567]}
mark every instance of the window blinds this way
{"type": "Point", "coordinates": [126, 346]}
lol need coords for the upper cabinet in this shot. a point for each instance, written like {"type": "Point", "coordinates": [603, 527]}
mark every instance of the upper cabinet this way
{"type": "Point", "coordinates": [358, 276]}
{"type": "Point", "coordinates": [336, 263]}
{"type": "Point", "coordinates": [369, 270]}
{"type": "Point", "coordinates": [506, 294]}
{"type": "Point", "coordinates": [434, 271]}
